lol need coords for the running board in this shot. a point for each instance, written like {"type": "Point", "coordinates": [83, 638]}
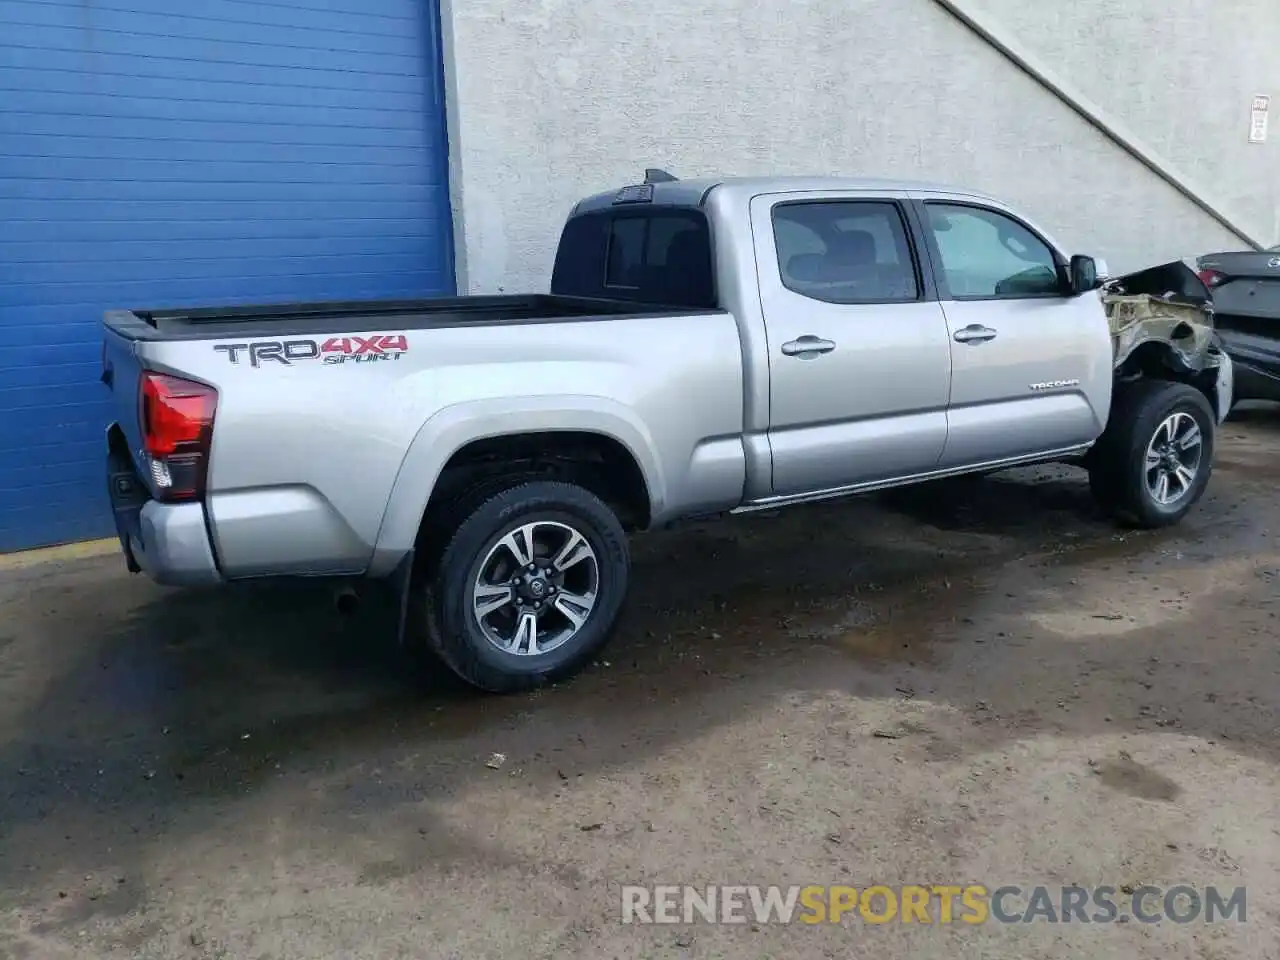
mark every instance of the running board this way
{"type": "Point", "coordinates": [770, 503]}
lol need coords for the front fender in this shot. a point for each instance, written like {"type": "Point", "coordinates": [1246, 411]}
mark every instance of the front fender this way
{"type": "Point", "coordinates": [452, 428]}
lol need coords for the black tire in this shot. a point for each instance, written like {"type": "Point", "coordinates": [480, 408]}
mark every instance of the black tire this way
{"type": "Point", "coordinates": [1118, 470]}
{"type": "Point", "coordinates": [443, 601]}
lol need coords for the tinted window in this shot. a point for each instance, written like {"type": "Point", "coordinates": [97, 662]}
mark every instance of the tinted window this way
{"type": "Point", "coordinates": [987, 254]}
{"type": "Point", "coordinates": [845, 251]}
{"type": "Point", "coordinates": [626, 250]}
{"type": "Point", "coordinates": [660, 256]}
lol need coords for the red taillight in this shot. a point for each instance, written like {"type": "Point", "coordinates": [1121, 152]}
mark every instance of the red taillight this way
{"type": "Point", "coordinates": [1211, 278]}
{"type": "Point", "coordinates": [177, 428]}
{"type": "Point", "coordinates": [176, 413]}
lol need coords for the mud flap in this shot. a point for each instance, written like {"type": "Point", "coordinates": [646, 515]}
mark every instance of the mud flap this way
{"type": "Point", "coordinates": [401, 583]}
{"type": "Point", "coordinates": [127, 496]}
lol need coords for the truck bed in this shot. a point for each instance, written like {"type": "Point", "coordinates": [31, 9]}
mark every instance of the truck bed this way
{"type": "Point", "coordinates": [285, 319]}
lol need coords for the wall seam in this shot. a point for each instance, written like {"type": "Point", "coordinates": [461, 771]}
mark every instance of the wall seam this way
{"type": "Point", "coordinates": [1109, 126]}
{"type": "Point", "coordinates": [453, 145]}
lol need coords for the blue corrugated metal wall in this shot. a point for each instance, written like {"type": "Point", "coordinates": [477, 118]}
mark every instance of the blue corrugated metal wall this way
{"type": "Point", "coordinates": [157, 153]}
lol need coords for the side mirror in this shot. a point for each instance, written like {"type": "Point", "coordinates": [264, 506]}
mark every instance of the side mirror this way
{"type": "Point", "coordinates": [1085, 275]}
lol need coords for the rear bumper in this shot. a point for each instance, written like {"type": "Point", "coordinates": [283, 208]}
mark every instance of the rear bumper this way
{"type": "Point", "coordinates": [171, 544]}
{"type": "Point", "coordinates": [167, 541]}
{"type": "Point", "coordinates": [1253, 384]}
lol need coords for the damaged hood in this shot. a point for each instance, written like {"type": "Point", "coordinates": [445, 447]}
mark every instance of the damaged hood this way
{"type": "Point", "coordinates": [1168, 304]}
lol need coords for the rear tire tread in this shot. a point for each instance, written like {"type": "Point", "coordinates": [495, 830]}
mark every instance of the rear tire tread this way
{"type": "Point", "coordinates": [446, 621]}
{"type": "Point", "coordinates": [1117, 474]}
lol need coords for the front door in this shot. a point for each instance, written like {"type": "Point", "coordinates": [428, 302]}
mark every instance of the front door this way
{"type": "Point", "coordinates": [1025, 356]}
{"type": "Point", "coordinates": [859, 356]}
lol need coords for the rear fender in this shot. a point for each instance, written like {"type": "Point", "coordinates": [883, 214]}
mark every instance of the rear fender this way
{"type": "Point", "coordinates": [451, 429]}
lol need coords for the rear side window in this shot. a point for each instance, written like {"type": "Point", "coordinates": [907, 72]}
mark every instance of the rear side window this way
{"type": "Point", "coordinates": [845, 251]}
{"type": "Point", "coordinates": [660, 256]}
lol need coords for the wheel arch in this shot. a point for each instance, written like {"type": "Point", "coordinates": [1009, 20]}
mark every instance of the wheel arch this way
{"type": "Point", "coordinates": [462, 430]}
{"type": "Point", "coordinates": [1161, 359]}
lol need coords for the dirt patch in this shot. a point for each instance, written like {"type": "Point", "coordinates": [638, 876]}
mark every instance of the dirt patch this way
{"type": "Point", "coordinates": [1128, 776]}
{"type": "Point", "coordinates": [983, 682]}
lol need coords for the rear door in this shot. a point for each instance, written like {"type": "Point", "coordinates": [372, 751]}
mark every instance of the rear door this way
{"type": "Point", "coordinates": [859, 363]}
{"type": "Point", "coordinates": [1030, 365]}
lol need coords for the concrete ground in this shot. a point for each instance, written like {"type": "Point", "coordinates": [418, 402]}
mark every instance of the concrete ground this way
{"type": "Point", "coordinates": [982, 682]}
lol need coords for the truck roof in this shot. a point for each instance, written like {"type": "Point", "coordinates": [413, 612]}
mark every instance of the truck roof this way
{"type": "Point", "coordinates": [693, 193]}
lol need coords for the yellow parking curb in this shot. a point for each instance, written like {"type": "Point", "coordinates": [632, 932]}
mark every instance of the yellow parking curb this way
{"type": "Point", "coordinates": [60, 554]}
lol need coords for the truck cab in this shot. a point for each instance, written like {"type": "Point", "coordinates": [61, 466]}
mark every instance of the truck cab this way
{"type": "Point", "coordinates": [890, 330]}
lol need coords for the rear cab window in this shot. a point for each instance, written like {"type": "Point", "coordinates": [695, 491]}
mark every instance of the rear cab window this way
{"type": "Point", "coordinates": [653, 255]}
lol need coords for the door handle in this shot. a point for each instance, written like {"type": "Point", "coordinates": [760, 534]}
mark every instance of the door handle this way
{"type": "Point", "coordinates": [975, 333]}
{"type": "Point", "coordinates": [807, 347]}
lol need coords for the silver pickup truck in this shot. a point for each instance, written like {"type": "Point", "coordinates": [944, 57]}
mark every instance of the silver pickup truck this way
{"type": "Point", "coordinates": [708, 347]}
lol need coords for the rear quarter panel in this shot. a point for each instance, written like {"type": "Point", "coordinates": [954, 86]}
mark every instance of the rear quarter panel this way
{"type": "Point", "coordinates": [324, 465]}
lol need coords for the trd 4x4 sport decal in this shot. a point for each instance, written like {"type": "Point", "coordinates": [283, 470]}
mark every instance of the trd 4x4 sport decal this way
{"type": "Point", "coordinates": [353, 349]}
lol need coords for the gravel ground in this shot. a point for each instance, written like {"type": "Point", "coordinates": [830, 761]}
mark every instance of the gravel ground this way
{"type": "Point", "coordinates": [978, 682]}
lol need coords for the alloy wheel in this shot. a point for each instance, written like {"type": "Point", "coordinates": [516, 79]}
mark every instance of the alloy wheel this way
{"type": "Point", "coordinates": [536, 588]}
{"type": "Point", "coordinates": [1173, 458]}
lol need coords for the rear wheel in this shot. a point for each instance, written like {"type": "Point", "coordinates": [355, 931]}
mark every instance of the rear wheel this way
{"type": "Point", "coordinates": [1153, 462]}
{"type": "Point", "coordinates": [529, 588]}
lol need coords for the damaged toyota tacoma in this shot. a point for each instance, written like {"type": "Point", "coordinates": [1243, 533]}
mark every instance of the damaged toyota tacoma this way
{"type": "Point", "coordinates": [707, 347]}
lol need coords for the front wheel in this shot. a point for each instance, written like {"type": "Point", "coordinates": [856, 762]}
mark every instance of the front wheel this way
{"type": "Point", "coordinates": [1153, 462]}
{"type": "Point", "coordinates": [529, 588]}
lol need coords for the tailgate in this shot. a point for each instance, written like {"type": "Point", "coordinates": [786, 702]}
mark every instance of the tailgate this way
{"type": "Point", "coordinates": [127, 491]}
{"type": "Point", "coordinates": [121, 373]}
{"type": "Point", "coordinates": [1244, 284]}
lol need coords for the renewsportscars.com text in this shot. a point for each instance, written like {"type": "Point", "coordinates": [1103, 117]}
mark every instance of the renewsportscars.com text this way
{"type": "Point", "coordinates": [971, 904]}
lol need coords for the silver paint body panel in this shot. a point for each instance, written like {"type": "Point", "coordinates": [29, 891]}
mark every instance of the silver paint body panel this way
{"type": "Point", "coordinates": [321, 469]}
{"type": "Point", "coordinates": [172, 545]}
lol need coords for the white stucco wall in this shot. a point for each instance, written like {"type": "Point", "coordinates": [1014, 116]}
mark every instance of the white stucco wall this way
{"type": "Point", "coordinates": [552, 99]}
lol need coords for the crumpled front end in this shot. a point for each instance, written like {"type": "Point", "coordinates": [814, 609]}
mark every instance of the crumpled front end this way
{"type": "Point", "coordinates": [1187, 330]}
{"type": "Point", "coordinates": [1164, 316]}
{"type": "Point", "coordinates": [1167, 305]}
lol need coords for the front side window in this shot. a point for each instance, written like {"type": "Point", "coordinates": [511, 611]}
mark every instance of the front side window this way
{"type": "Point", "coordinates": [845, 251]}
{"type": "Point", "coordinates": [986, 254]}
